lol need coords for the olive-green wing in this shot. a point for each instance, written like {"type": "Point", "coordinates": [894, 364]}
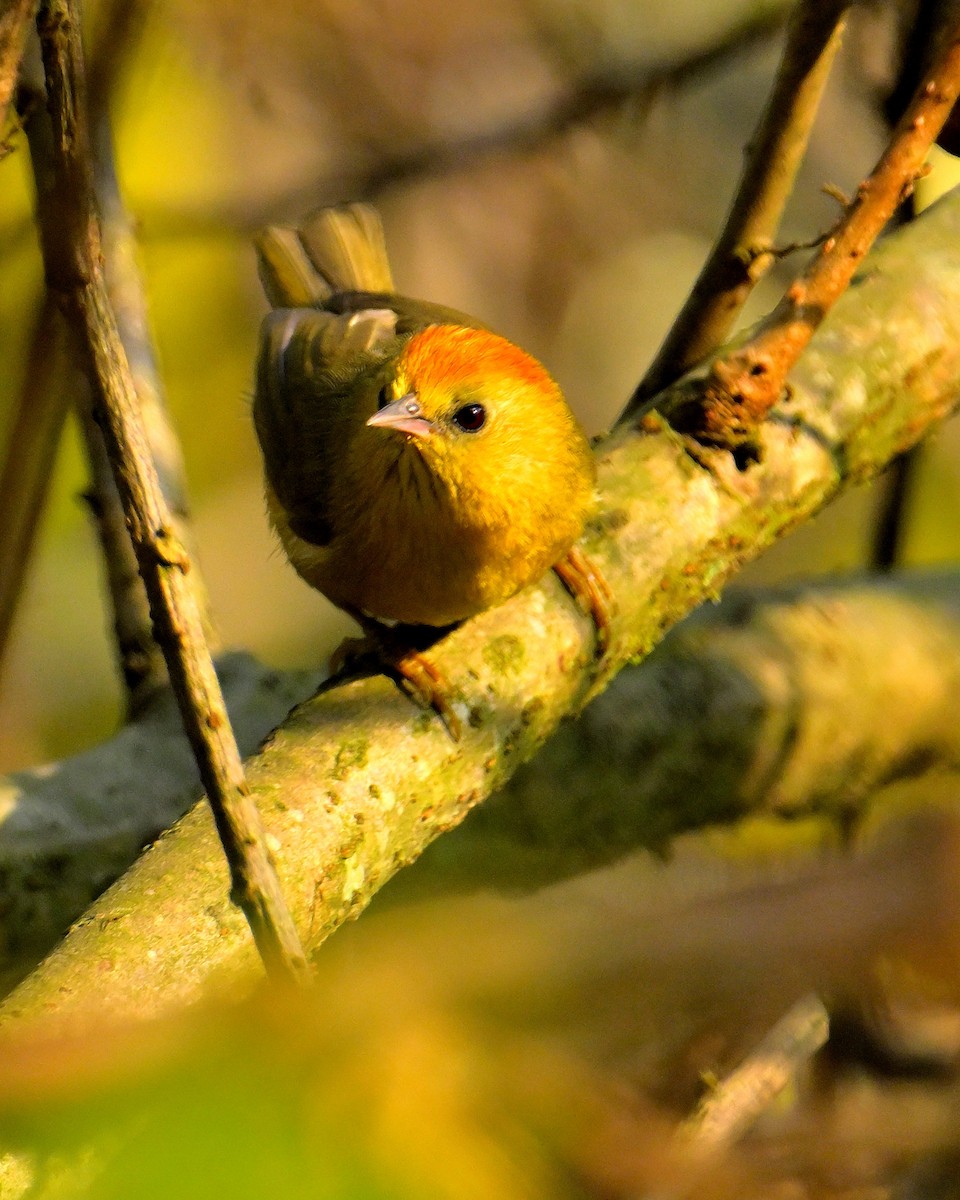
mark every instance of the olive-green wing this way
{"type": "Point", "coordinates": [318, 375]}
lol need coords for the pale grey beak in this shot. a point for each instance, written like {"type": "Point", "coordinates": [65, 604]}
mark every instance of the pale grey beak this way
{"type": "Point", "coordinates": [403, 415]}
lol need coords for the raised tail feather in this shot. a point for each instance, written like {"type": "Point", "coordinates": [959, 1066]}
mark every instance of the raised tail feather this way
{"type": "Point", "coordinates": [334, 250]}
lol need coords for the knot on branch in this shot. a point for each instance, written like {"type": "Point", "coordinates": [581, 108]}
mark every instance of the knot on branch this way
{"type": "Point", "coordinates": [168, 550]}
{"type": "Point", "coordinates": [724, 410]}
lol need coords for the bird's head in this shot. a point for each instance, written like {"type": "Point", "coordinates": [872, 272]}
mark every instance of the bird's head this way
{"type": "Point", "coordinates": [476, 408]}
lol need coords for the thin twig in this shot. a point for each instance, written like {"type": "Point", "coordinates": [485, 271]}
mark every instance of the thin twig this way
{"type": "Point", "coordinates": [140, 658]}
{"type": "Point", "coordinates": [917, 46]}
{"type": "Point", "coordinates": [31, 448]}
{"type": "Point", "coordinates": [41, 408]}
{"type": "Point", "coordinates": [15, 17]}
{"type": "Point", "coordinates": [734, 1104]}
{"type": "Point", "coordinates": [742, 253]}
{"type": "Point", "coordinates": [72, 260]}
{"type": "Point", "coordinates": [742, 387]}
{"type": "Point", "coordinates": [895, 489]}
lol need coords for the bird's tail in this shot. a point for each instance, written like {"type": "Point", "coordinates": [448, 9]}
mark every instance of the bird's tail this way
{"type": "Point", "coordinates": [334, 250]}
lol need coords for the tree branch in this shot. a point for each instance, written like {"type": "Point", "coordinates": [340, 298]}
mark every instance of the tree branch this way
{"type": "Point", "coordinates": [729, 717]}
{"type": "Point", "coordinates": [736, 1103]}
{"type": "Point", "coordinates": [72, 261]}
{"type": "Point", "coordinates": [32, 447]}
{"type": "Point", "coordinates": [141, 659]}
{"type": "Point", "coordinates": [357, 782]}
{"type": "Point", "coordinates": [742, 255]}
{"type": "Point", "coordinates": [742, 386]}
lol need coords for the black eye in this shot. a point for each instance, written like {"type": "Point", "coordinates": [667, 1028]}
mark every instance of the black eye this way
{"type": "Point", "coordinates": [470, 417]}
{"type": "Point", "coordinates": [383, 398]}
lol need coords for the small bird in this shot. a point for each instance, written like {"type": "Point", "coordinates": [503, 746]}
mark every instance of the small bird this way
{"type": "Point", "coordinates": [419, 467]}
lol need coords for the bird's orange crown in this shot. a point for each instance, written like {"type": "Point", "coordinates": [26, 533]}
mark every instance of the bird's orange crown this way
{"type": "Point", "coordinates": [449, 356]}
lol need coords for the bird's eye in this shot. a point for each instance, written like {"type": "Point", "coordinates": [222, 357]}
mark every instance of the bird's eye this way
{"type": "Point", "coordinates": [383, 399]}
{"type": "Point", "coordinates": [470, 417]}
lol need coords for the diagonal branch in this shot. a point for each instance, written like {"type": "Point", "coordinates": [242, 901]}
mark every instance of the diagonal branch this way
{"type": "Point", "coordinates": [737, 1102]}
{"type": "Point", "coordinates": [742, 387]}
{"type": "Point", "coordinates": [742, 253]}
{"type": "Point", "coordinates": [356, 783]}
{"type": "Point", "coordinates": [734, 699]}
{"type": "Point", "coordinates": [141, 659]}
{"type": "Point", "coordinates": [72, 260]}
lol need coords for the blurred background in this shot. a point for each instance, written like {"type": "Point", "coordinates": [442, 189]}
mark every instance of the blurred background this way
{"type": "Point", "coordinates": [558, 167]}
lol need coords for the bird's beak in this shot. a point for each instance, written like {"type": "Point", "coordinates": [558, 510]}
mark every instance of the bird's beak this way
{"type": "Point", "coordinates": [405, 416]}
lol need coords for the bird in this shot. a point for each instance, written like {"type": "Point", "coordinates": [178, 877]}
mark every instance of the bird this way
{"type": "Point", "coordinates": [419, 467]}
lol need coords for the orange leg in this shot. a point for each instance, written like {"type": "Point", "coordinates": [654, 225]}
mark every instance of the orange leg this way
{"type": "Point", "coordinates": [390, 648]}
{"type": "Point", "coordinates": [587, 586]}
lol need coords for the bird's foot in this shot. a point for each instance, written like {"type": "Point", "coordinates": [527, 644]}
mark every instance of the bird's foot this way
{"type": "Point", "coordinates": [586, 584]}
{"type": "Point", "coordinates": [394, 650]}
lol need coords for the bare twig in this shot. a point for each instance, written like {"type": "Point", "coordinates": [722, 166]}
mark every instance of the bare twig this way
{"type": "Point", "coordinates": [742, 254]}
{"type": "Point", "coordinates": [140, 658]}
{"type": "Point", "coordinates": [917, 45]}
{"type": "Point", "coordinates": [72, 260]}
{"type": "Point", "coordinates": [31, 449]}
{"type": "Point", "coordinates": [734, 1104]}
{"type": "Point", "coordinates": [15, 16]}
{"type": "Point", "coordinates": [742, 386]}
{"type": "Point", "coordinates": [895, 489]}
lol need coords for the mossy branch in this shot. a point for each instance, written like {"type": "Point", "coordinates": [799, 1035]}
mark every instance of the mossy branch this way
{"type": "Point", "coordinates": [357, 781]}
{"type": "Point", "coordinates": [800, 701]}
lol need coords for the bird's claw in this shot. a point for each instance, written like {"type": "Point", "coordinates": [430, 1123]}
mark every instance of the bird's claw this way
{"type": "Point", "coordinates": [586, 584]}
{"type": "Point", "coordinates": [390, 650]}
{"type": "Point", "coordinates": [427, 684]}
